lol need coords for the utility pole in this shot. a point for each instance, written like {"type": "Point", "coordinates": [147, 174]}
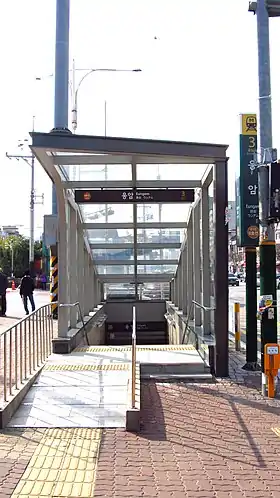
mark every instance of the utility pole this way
{"type": "Point", "coordinates": [30, 160]}
{"type": "Point", "coordinates": [60, 122]}
{"type": "Point", "coordinates": [263, 10]}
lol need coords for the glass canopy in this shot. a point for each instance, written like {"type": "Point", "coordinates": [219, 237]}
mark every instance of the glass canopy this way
{"type": "Point", "coordinates": [135, 247]}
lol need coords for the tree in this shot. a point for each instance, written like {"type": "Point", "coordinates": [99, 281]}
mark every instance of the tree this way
{"type": "Point", "coordinates": [16, 247]}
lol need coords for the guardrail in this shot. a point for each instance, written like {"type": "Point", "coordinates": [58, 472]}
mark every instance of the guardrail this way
{"type": "Point", "coordinates": [205, 309]}
{"type": "Point", "coordinates": [24, 347]}
{"type": "Point", "coordinates": [133, 360]}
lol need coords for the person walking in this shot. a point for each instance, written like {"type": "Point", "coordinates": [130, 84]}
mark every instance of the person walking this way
{"type": "Point", "coordinates": [44, 281]}
{"type": "Point", "coordinates": [3, 290]}
{"type": "Point", "coordinates": [26, 291]}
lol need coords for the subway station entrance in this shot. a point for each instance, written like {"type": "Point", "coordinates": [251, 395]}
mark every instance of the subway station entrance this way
{"type": "Point", "coordinates": [140, 223]}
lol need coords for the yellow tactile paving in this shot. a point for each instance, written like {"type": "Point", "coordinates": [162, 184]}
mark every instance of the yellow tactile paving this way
{"type": "Point", "coordinates": [82, 368]}
{"type": "Point", "coordinates": [63, 465]}
{"type": "Point", "coordinates": [103, 349]}
{"type": "Point", "coordinates": [276, 430]}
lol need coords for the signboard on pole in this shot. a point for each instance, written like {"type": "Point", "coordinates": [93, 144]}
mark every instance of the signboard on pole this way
{"type": "Point", "coordinates": [50, 230]}
{"type": "Point", "coordinates": [247, 198]}
{"type": "Point", "coordinates": [134, 196]}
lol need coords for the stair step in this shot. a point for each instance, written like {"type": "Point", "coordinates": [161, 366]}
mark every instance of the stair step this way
{"type": "Point", "coordinates": [176, 377]}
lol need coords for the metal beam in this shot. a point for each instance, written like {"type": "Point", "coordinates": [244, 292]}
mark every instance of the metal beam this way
{"type": "Point", "coordinates": [141, 184]}
{"type": "Point", "coordinates": [101, 159]}
{"type": "Point", "coordinates": [141, 278]}
{"type": "Point", "coordinates": [148, 245]}
{"type": "Point", "coordinates": [273, 7]}
{"type": "Point", "coordinates": [204, 152]}
{"type": "Point", "coordinates": [139, 262]}
{"type": "Point", "coordinates": [130, 226]}
{"type": "Point", "coordinates": [207, 177]}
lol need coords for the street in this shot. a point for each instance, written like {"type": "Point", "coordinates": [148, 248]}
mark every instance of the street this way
{"type": "Point", "coordinates": [15, 309]}
{"type": "Point", "coordinates": [238, 295]}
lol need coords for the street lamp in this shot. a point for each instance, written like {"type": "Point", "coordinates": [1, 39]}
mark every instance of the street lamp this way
{"type": "Point", "coordinates": [76, 90]}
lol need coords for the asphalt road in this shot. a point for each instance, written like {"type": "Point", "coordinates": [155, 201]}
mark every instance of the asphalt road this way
{"type": "Point", "coordinates": [238, 295]}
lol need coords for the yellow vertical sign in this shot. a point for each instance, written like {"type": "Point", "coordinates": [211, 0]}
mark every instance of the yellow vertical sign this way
{"type": "Point", "coordinates": [248, 124]}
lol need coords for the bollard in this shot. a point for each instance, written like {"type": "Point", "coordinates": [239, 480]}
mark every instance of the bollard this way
{"type": "Point", "coordinates": [237, 333]}
{"type": "Point", "coordinates": [271, 366]}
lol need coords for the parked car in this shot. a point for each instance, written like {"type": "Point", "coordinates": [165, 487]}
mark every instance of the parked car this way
{"type": "Point", "coordinates": [233, 280]}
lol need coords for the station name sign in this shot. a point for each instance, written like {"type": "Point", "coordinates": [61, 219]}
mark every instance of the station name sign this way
{"type": "Point", "coordinates": [157, 196]}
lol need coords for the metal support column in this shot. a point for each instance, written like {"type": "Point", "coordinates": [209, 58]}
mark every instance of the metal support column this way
{"type": "Point", "coordinates": [73, 274]}
{"type": "Point", "coordinates": [176, 289]}
{"type": "Point", "coordinates": [61, 73]}
{"type": "Point", "coordinates": [80, 260]}
{"type": "Point", "coordinates": [91, 285]}
{"type": "Point", "coordinates": [196, 262]}
{"type": "Point", "coordinates": [185, 280]}
{"type": "Point", "coordinates": [61, 123]}
{"type": "Point", "coordinates": [96, 296]}
{"type": "Point", "coordinates": [181, 282]}
{"type": "Point", "coordinates": [172, 290]}
{"type": "Point", "coordinates": [135, 250]}
{"type": "Point", "coordinates": [205, 258]}
{"type": "Point", "coordinates": [190, 287]}
{"type": "Point", "coordinates": [86, 304]}
{"type": "Point", "coordinates": [267, 234]}
{"type": "Point", "coordinates": [220, 181]}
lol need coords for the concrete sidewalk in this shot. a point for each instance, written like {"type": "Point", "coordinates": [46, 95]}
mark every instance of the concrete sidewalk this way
{"type": "Point", "coordinates": [197, 441]}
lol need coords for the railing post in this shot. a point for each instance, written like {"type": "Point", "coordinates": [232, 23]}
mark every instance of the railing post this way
{"type": "Point", "coordinates": [237, 332]}
{"type": "Point", "coordinates": [133, 359]}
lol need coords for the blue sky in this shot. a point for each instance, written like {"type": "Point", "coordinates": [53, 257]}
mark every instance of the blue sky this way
{"type": "Point", "coordinates": [197, 76]}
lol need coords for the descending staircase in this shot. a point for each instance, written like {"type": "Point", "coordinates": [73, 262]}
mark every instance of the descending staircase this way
{"type": "Point", "coordinates": [151, 335]}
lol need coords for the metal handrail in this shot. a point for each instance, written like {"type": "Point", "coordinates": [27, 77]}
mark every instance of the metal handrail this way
{"type": "Point", "coordinates": [204, 308]}
{"type": "Point", "coordinates": [199, 305]}
{"type": "Point", "coordinates": [72, 305]}
{"type": "Point", "coordinates": [133, 359]}
{"type": "Point", "coordinates": [24, 347]}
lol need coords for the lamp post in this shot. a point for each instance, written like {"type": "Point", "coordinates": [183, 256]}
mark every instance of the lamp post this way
{"type": "Point", "coordinates": [75, 90]}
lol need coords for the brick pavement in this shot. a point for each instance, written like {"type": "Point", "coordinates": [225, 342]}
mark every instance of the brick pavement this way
{"type": "Point", "coordinates": [16, 449]}
{"type": "Point", "coordinates": [197, 441]}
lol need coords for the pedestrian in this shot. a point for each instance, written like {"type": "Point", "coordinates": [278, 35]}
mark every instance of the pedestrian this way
{"type": "Point", "coordinates": [3, 289]}
{"type": "Point", "coordinates": [26, 291]}
{"type": "Point", "coordinates": [44, 281]}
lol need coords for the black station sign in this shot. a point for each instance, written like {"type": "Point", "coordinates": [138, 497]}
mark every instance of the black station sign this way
{"type": "Point", "coordinates": [157, 196]}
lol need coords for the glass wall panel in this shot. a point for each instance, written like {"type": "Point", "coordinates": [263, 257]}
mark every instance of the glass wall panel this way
{"type": "Point", "coordinates": [160, 213]}
{"type": "Point", "coordinates": [103, 213]}
{"type": "Point", "coordinates": [114, 254]}
{"type": "Point", "coordinates": [160, 236]}
{"type": "Point", "coordinates": [157, 270]}
{"type": "Point", "coordinates": [115, 269]}
{"type": "Point", "coordinates": [100, 172]}
{"type": "Point", "coordinates": [170, 171]}
{"type": "Point", "coordinates": [154, 254]}
{"type": "Point", "coordinates": [118, 290]}
{"type": "Point", "coordinates": [108, 236]}
{"type": "Point", "coordinates": [156, 290]}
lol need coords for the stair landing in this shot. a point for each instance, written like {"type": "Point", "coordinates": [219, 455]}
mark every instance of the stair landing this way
{"type": "Point", "coordinates": [89, 387]}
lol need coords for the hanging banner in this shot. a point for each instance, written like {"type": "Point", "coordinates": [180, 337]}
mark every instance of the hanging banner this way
{"type": "Point", "coordinates": [247, 199]}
